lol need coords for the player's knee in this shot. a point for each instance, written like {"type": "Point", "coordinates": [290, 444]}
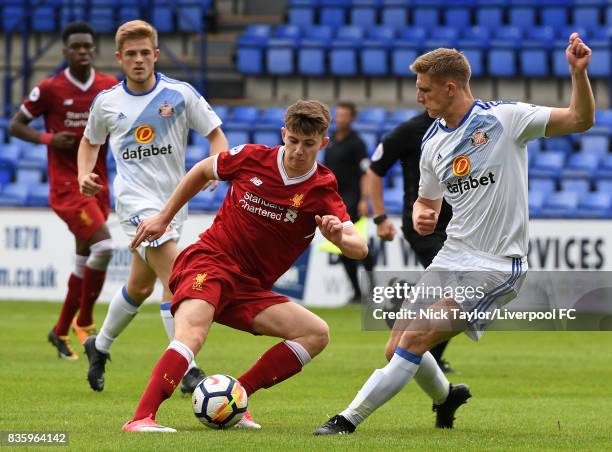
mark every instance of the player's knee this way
{"type": "Point", "coordinates": [416, 341]}
{"type": "Point", "coordinates": [318, 337]}
{"type": "Point", "coordinates": [390, 350]}
{"type": "Point", "coordinates": [140, 292]}
{"type": "Point", "coordinates": [101, 255]}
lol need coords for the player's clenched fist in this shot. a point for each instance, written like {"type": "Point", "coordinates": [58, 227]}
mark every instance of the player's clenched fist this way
{"type": "Point", "coordinates": [578, 54]}
{"type": "Point", "coordinates": [331, 227]}
{"type": "Point", "coordinates": [425, 221]}
{"type": "Point", "coordinates": [88, 185]}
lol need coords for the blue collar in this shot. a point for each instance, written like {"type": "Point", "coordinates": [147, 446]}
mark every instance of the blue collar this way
{"type": "Point", "coordinates": [449, 129]}
{"type": "Point", "coordinates": [127, 90]}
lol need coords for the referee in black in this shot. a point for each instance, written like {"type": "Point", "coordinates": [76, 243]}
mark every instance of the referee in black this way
{"type": "Point", "coordinates": [404, 144]}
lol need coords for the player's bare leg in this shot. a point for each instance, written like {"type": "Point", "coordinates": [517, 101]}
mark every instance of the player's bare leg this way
{"type": "Point", "coordinates": [192, 321]}
{"type": "Point", "coordinates": [411, 340]}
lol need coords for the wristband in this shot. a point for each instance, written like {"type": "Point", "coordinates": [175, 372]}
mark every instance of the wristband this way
{"type": "Point", "coordinates": [380, 218]}
{"type": "Point", "coordinates": [45, 138]}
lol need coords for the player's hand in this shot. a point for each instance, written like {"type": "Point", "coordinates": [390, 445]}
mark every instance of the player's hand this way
{"type": "Point", "coordinates": [150, 229]}
{"type": "Point", "coordinates": [386, 230]}
{"type": "Point", "coordinates": [63, 140]}
{"type": "Point", "coordinates": [363, 209]}
{"type": "Point", "coordinates": [88, 184]}
{"type": "Point", "coordinates": [213, 184]}
{"type": "Point", "coordinates": [578, 54]}
{"type": "Point", "coordinates": [425, 222]}
{"type": "Point", "coordinates": [331, 227]}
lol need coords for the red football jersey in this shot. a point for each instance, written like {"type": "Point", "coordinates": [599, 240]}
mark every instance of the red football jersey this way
{"type": "Point", "coordinates": [267, 219]}
{"type": "Point", "coordinates": [64, 103]}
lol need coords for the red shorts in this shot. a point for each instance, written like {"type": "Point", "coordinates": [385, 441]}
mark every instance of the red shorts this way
{"type": "Point", "coordinates": [213, 277]}
{"type": "Point", "coordinates": [84, 215]}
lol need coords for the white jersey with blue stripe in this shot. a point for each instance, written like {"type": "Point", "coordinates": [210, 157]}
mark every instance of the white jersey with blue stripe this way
{"type": "Point", "coordinates": [480, 168]}
{"type": "Point", "coordinates": [148, 136]}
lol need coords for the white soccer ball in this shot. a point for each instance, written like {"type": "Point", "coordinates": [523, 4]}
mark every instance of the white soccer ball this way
{"type": "Point", "coordinates": [219, 401]}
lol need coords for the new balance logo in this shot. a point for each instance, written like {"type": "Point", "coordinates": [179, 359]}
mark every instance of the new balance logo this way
{"type": "Point", "coordinates": [256, 181]}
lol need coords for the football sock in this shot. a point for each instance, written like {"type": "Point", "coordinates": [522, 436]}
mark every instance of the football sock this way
{"type": "Point", "coordinates": [70, 306]}
{"type": "Point", "coordinates": [168, 321]}
{"type": "Point", "coordinates": [166, 376]}
{"type": "Point", "coordinates": [382, 385]}
{"type": "Point", "coordinates": [277, 364]}
{"type": "Point", "coordinates": [121, 311]}
{"type": "Point", "coordinates": [93, 280]}
{"type": "Point", "coordinates": [432, 380]}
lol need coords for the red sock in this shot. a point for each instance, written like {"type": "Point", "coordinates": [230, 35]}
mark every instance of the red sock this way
{"type": "Point", "coordinates": [274, 366]}
{"type": "Point", "coordinates": [71, 305]}
{"type": "Point", "coordinates": [166, 376]}
{"type": "Point", "coordinates": [93, 280]}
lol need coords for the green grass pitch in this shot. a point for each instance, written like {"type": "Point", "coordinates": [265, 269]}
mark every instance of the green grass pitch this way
{"type": "Point", "coordinates": [537, 390]}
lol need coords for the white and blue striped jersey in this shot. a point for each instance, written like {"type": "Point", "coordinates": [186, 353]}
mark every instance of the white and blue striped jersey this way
{"type": "Point", "coordinates": [148, 136]}
{"type": "Point", "coordinates": [480, 168]}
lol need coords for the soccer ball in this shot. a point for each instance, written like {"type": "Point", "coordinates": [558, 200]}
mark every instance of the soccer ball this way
{"type": "Point", "coordinates": [219, 401]}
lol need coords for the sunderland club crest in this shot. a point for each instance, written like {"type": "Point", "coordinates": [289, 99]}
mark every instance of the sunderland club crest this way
{"type": "Point", "coordinates": [166, 110]}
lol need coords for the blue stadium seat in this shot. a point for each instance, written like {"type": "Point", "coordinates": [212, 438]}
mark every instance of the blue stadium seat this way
{"type": "Point", "coordinates": [401, 115]}
{"type": "Point", "coordinates": [586, 16]}
{"type": "Point", "coordinates": [425, 16]}
{"type": "Point", "coordinates": [381, 32]}
{"type": "Point", "coordinates": [280, 56]}
{"type": "Point", "coordinates": [267, 137]}
{"type": "Point", "coordinates": [394, 16]}
{"type": "Point", "coordinates": [236, 138]}
{"type": "Point", "coordinates": [604, 172]}
{"type": "Point", "coordinates": [534, 62]}
{"type": "Point", "coordinates": [476, 58]}
{"type": "Point", "coordinates": [39, 195]}
{"type": "Point", "coordinates": [490, 17]}
{"type": "Point", "coordinates": [394, 199]}
{"type": "Point", "coordinates": [475, 37]}
{"type": "Point", "coordinates": [603, 118]}
{"type": "Point", "coordinates": [193, 154]}
{"type": "Point", "coordinates": [459, 17]}
{"type": "Point", "coordinates": [372, 115]}
{"type": "Point", "coordinates": [536, 202]}
{"type": "Point", "coordinates": [544, 36]}
{"type": "Point", "coordinates": [127, 13]}
{"type": "Point", "coordinates": [29, 175]}
{"type": "Point", "coordinates": [522, 16]}
{"type": "Point", "coordinates": [350, 33]}
{"type": "Point", "coordinates": [600, 65]}
{"type": "Point", "coordinates": [102, 19]}
{"type": "Point", "coordinates": [580, 186]}
{"type": "Point", "coordinates": [34, 156]}
{"type": "Point", "coordinates": [363, 16]}
{"type": "Point", "coordinates": [274, 116]}
{"type": "Point", "coordinates": [203, 201]}
{"type": "Point", "coordinates": [414, 35]}
{"type": "Point", "coordinates": [222, 111]}
{"type": "Point", "coordinates": [560, 205]}
{"type": "Point", "coordinates": [534, 146]}
{"type": "Point", "coordinates": [334, 16]}
{"type": "Point", "coordinates": [43, 19]}
{"type": "Point", "coordinates": [190, 19]}
{"type": "Point", "coordinates": [402, 56]}
{"type": "Point", "coordinates": [311, 58]}
{"type": "Point", "coordinates": [9, 155]}
{"type": "Point", "coordinates": [508, 34]}
{"type": "Point", "coordinates": [343, 59]}
{"type": "Point", "coordinates": [595, 205]}
{"type": "Point", "coordinates": [202, 142]}
{"type": "Point", "coordinates": [561, 143]}
{"type": "Point", "coordinates": [302, 16]}
{"type": "Point", "coordinates": [244, 114]}
{"type": "Point", "coordinates": [163, 19]}
{"type": "Point", "coordinates": [604, 185]}
{"type": "Point", "coordinates": [371, 141]}
{"type": "Point", "coordinates": [374, 58]}
{"type": "Point", "coordinates": [581, 165]}
{"type": "Point", "coordinates": [287, 32]}
{"type": "Point", "coordinates": [542, 184]}
{"type": "Point", "coordinates": [594, 144]}
{"type": "Point", "coordinates": [249, 59]}
{"type": "Point", "coordinates": [14, 18]}
{"type": "Point", "coordinates": [548, 164]}
{"type": "Point", "coordinates": [14, 194]}
{"type": "Point", "coordinates": [502, 62]}
{"type": "Point", "coordinates": [554, 16]}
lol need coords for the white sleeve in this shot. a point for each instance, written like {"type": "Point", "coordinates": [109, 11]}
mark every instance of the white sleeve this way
{"type": "Point", "coordinates": [96, 130]}
{"type": "Point", "coordinates": [429, 185]}
{"type": "Point", "coordinates": [529, 122]}
{"type": "Point", "coordinates": [200, 115]}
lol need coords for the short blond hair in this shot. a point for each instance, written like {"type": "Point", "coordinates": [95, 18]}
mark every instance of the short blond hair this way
{"type": "Point", "coordinates": [443, 63]}
{"type": "Point", "coordinates": [308, 117]}
{"type": "Point", "coordinates": [135, 29]}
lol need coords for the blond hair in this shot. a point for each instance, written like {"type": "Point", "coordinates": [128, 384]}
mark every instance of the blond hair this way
{"type": "Point", "coordinates": [135, 29]}
{"type": "Point", "coordinates": [443, 63]}
{"type": "Point", "coordinates": [308, 117]}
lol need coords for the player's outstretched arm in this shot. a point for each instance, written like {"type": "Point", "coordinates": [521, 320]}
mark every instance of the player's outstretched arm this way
{"type": "Point", "coordinates": [86, 160]}
{"type": "Point", "coordinates": [425, 214]}
{"type": "Point", "coordinates": [347, 239]}
{"type": "Point", "coordinates": [386, 229]}
{"type": "Point", "coordinates": [218, 143]}
{"type": "Point", "coordinates": [154, 227]}
{"type": "Point", "coordinates": [580, 115]}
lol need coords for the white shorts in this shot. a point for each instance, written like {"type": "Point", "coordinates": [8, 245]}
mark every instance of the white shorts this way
{"type": "Point", "coordinates": [130, 225]}
{"type": "Point", "coordinates": [500, 279]}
